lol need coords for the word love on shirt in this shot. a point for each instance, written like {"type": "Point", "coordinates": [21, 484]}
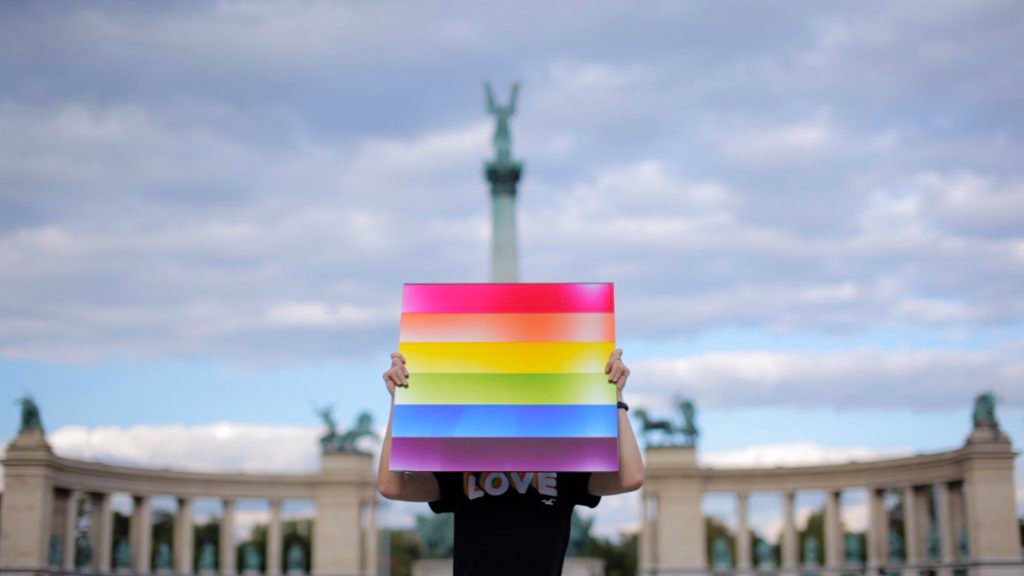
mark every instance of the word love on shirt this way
{"type": "Point", "coordinates": [498, 483]}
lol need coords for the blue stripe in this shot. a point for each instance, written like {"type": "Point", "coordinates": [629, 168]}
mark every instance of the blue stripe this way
{"type": "Point", "coordinates": [505, 421]}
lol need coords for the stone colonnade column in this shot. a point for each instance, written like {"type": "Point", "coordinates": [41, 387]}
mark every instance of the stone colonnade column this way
{"type": "Point", "coordinates": [878, 530]}
{"type": "Point", "coordinates": [743, 563]}
{"type": "Point", "coordinates": [227, 539]}
{"type": "Point", "coordinates": [943, 516]}
{"type": "Point", "coordinates": [956, 517]}
{"type": "Point", "coordinates": [790, 560]}
{"type": "Point", "coordinates": [142, 534]}
{"type": "Point", "coordinates": [834, 557]}
{"type": "Point", "coordinates": [911, 530]}
{"type": "Point", "coordinates": [372, 545]}
{"type": "Point", "coordinates": [183, 540]}
{"type": "Point", "coordinates": [104, 532]}
{"type": "Point", "coordinates": [648, 531]}
{"type": "Point", "coordinates": [274, 539]}
{"type": "Point", "coordinates": [70, 530]}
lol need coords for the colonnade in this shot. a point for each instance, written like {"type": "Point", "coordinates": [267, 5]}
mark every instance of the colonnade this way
{"type": "Point", "coordinates": [958, 510]}
{"type": "Point", "coordinates": [42, 493]}
{"type": "Point", "coordinates": [140, 538]}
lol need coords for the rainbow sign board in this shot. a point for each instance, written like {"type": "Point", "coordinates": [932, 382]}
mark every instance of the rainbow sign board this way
{"type": "Point", "coordinates": [506, 377]}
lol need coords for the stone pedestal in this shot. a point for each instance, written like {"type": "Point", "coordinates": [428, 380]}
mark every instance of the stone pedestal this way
{"type": "Point", "coordinates": [345, 483]}
{"type": "Point", "coordinates": [27, 503]}
{"type": "Point", "coordinates": [673, 479]}
{"type": "Point", "coordinates": [992, 530]}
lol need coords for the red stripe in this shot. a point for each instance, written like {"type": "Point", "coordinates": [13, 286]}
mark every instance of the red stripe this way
{"type": "Point", "coordinates": [508, 298]}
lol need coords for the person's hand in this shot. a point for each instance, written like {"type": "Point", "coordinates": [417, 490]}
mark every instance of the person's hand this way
{"type": "Point", "coordinates": [617, 371]}
{"type": "Point", "coordinates": [397, 375]}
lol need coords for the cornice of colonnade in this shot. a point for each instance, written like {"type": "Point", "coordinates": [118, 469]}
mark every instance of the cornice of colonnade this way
{"type": "Point", "coordinates": [32, 455]}
{"type": "Point", "coordinates": [673, 467]}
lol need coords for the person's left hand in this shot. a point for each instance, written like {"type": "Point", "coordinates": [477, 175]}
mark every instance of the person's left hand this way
{"type": "Point", "coordinates": [617, 371]}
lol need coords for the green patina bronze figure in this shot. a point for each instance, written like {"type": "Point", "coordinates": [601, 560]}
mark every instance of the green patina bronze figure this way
{"type": "Point", "coordinates": [53, 555]}
{"type": "Point", "coordinates": [207, 559]}
{"type": "Point", "coordinates": [579, 534]}
{"type": "Point", "coordinates": [30, 418]}
{"type": "Point", "coordinates": [436, 535]}
{"type": "Point", "coordinates": [251, 559]}
{"type": "Point", "coordinates": [296, 559]}
{"type": "Point", "coordinates": [854, 551]}
{"type": "Point", "coordinates": [765, 553]}
{"type": "Point", "coordinates": [895, 548]}
{"type": "Point", "coordinates": [163, 556]}
{"type": "Point", "coordinates": [812, 550]}
{"type": "Point", "coordinates": [985, 411]}
{"type": "Point", "coordinates": [83, 552]}
{"type": "Point", "coordinates": [689, 428]}
{"type": "Point", "coordinates": [331, 441]}
{"type": "Point", "coordinates": [721, 557]}
{"type": "Point", "coordinates": [502, 134]}
{"type": "Point", "coordinates": [122, 555]}
{"type": "Point", "coordinates": [667, 433]}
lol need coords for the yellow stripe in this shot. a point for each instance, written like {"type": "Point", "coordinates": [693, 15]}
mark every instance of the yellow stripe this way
{"type": "Point", "coordinates": [509, 357]}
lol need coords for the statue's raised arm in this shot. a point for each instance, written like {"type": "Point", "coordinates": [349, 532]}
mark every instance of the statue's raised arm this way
{"type": "Point", "coordinates": [492, 105]}
{"type": "Point", "coordinates": [512, 99]}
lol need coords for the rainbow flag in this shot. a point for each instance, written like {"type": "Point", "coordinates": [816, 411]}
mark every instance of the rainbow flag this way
{"type": "Point", "coordinates": [506, 377]}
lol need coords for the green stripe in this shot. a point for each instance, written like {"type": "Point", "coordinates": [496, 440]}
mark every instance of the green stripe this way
{"type": "Point", "coordinates": [461, 388]}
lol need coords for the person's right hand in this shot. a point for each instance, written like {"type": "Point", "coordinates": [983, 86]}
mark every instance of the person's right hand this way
{"type": "Point", "coordinates": [397, 375]}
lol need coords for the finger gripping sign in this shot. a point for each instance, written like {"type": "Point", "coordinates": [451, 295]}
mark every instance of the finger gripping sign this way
{"type": "Point", "coordinates": [506, 377]}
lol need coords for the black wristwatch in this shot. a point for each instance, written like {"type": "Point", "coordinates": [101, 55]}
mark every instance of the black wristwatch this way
{"type": "Point", "coordinates": [622, 405]}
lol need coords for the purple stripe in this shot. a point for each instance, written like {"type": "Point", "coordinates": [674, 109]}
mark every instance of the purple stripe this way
{"type": "Point", "coordinates": [505, 454]}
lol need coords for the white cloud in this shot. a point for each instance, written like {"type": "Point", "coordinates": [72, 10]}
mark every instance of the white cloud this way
{"type": "Point", "coordinates": [860, 378]}
{"type": "Point", "coordinates": [784, 144]}
{"type": "Point", "coordinates": [805, 453]}
{"type": "Point", "coordinates": [210, 447]}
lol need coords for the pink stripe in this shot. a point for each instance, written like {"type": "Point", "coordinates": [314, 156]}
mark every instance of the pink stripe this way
{"type": "Point", "coordinates": [505, 454]}
{"type": "Point", "coordinates": [508, 298]}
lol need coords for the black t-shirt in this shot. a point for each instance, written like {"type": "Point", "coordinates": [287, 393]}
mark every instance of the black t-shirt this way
{"type": "Point", "coordinates": [511, 523]}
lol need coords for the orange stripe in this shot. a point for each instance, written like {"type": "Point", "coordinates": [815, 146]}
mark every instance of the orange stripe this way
{"type": "Point", "coordinates": [540, 327]}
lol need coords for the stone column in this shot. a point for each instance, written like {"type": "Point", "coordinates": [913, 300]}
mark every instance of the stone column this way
{"type": "Point", "coordinates": [227, 539]}
{"type": "Point", "coordinates": [956, 517]}
{"type": "Point", "coordinates": [104, 532]}
{"type": "Point", "coordinates": [943, 517]}
{"type": "Point", "coordinates": [183, 540]}
{"type": "Point", "coordinates": [878, 531]}
{"type": "Point", "coordinates": [648, 529]}
{"type": "Point", "coordinates": [743, 560]}
{"type": "Point", "coordinates": [67, 557]}
{"type": "Point", "coordinates": [274, 539]}
{"type": "Point", "coordinates": [372, 545]}
{"type": "Point", "coordinates": [834, 557]}
{"type": "Point", "coordinates": [142, 535]}
{"type": "Point", "coordinates": [911, 531]}
{"type": "Point", "coordinates": [790, 559]}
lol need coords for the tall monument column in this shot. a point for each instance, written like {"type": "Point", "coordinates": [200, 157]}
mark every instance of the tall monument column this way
{"type": "Point", "coordinates": [503, 174]}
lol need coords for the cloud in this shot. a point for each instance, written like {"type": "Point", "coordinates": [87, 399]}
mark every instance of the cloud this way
{"type": "Point", "coordinates": [855, 379]}
{"type": "Point", "coordinates": [252, 183]}
{"type": "Point", "coordinates": [222, 446]}
{"type": "Point", "coordinates": [807, 453]}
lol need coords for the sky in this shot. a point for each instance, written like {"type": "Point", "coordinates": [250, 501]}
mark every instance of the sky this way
{"type": "Point", "coordinates": [813, 213]}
